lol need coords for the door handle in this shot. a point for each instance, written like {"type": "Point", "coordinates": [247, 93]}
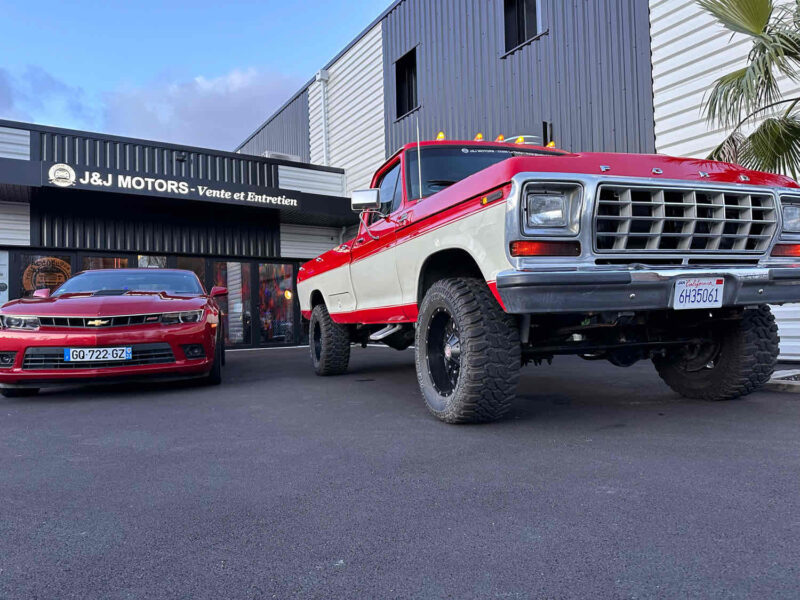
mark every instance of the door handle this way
{"type": "Point", "coordinates": [403, 217]}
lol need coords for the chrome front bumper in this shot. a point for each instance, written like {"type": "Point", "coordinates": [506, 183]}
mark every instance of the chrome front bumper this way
{"type": "Point", "coordinates": [593, 290]}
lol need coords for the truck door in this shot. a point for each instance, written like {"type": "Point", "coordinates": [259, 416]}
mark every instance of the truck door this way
{"type": "Point", "coordinates": [373, 267]}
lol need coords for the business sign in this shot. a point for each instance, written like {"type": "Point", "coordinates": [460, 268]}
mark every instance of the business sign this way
{"type": "Point", "coordinates": [63, 175]}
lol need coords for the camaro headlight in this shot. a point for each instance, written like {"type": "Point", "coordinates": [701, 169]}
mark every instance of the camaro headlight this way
{"type": "Point", "coordinates": [12, 322]}
{"type": "Point", "coordinates": [552, 206]}
{"type": "Point", "coordinates": [192, 316]}
{"type": "Point", "coordinates": [791, 218]}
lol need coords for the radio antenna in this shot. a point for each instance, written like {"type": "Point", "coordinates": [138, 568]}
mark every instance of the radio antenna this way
{"type": "Point", "coordinates": [419, 157]}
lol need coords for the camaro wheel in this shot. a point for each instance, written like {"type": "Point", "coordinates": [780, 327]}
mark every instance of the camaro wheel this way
{"type": "Point", "coordinates": [329, 343]}
{"type": "Point", "coordinates": [215, 375]}
{"type": "Point", "coordinates": [736, 361]}
{"type": "Point", "coordinates": [467, 352]}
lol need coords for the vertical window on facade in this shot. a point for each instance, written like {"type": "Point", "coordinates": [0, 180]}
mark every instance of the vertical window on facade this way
{"type": "Point", "coordinates": [520, 22]}
{"type": "Point", "coordinates": [406, 78]}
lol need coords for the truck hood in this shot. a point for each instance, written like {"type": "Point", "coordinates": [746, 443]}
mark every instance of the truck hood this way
{"type": "Point", "coordinates": [102, 306]}
{"type": "Point", "coordinates": [640, 165]}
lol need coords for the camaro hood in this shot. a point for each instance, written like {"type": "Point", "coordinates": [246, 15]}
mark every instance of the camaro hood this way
{"type": "Point", "coordinates": [102, 306]}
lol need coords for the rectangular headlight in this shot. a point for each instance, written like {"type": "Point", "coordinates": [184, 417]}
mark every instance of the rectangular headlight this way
{"type": "Point", "coordinates": [552, 208]}
{"type": "Point", "coordinates": [791, 218]}
{"type": "Point", "coordinates": [13, 322]}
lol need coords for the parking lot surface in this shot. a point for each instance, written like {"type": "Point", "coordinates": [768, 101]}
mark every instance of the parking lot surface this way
{"type": "Point", "coordinates": [281, 484]}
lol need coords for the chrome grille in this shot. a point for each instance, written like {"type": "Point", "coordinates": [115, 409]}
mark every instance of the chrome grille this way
{"type": "Point", "coordinates": [141, 354]}
{"type": "Point", "coordinates": [678, 220]}
{"type": "Point", "coordinates": [83, 322]}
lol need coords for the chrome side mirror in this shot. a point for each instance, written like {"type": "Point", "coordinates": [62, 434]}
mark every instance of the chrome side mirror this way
{"type": "Point", "coordinates": [365, 200]}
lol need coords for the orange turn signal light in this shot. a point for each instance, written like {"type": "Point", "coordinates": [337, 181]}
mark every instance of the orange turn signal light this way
{"type": "Point", "coordinates": [538, 248]}
{"type": "Point", "coordinates": [789, 250]}
{"type": "Point", "coordinates": [500, 138]}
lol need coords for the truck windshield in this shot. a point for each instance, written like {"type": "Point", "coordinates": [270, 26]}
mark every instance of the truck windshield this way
{"type": "Point", "coordinates": [175, 283]}
{"type": "Point", "coordinates": [442, 167]}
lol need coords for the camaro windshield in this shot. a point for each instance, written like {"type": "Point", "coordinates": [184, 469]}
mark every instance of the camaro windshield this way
{"type": "Point", "coordinates": [442, 167]}
{"type": "Point", "coordinates": [173, 283]}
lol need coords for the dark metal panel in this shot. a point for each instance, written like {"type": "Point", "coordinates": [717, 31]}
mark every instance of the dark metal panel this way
{"type": "Point", "coordinates": [589, 76]}
{"type": "Point", "coordinates": [287, 132]}
{"type": "Point", "coordinates": [80, 220]}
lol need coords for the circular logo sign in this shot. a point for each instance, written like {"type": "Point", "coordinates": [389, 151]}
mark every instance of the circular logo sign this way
{"type": "Point", "coordinates": [61, 175]}
{"type": "Point", "coordinates": [45, 272]}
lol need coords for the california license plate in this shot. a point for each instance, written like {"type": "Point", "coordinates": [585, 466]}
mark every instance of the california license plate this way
{"type": "Point", "coordinates": [698, 292]}
{"type": "Point", "coordinates": [96, 354]}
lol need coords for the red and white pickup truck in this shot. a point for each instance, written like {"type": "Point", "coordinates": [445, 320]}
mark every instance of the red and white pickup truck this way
{"type": "Point", "coordinates": [487, 256]}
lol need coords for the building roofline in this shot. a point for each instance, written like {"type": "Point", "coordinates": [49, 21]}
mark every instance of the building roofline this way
{"type": "Point", "coordinates": [297, 94]}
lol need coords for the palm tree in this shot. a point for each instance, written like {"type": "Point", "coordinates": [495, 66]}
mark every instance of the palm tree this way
{"type": "Point", "coordinates": [750, 97]}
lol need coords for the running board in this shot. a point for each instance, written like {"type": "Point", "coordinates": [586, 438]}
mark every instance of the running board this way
{"type": "Point", "coordinates": [385, 332]}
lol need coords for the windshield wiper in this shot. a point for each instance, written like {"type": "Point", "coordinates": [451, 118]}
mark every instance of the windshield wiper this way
{"type": "Point", "coordinates": [440, 182]}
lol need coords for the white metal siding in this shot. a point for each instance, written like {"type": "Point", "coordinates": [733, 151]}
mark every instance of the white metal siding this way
{"type": "Point", "coordinates": [15, 143]}
{"type": "Point", "coordinates": [15, 224]}
{"type": "Point", "coordinates": [690, 50]}
{"type": "Point", "coordinates": [305, 241]}
{"type": "Point", "coordinates": [310, 181]}
{"type": "Point", "coordinates": [356, 136]}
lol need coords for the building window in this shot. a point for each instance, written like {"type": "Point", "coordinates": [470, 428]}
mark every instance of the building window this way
{"type": "Point", "coordinates": [521, 22]}
{"type": "Point", "coordinates": [406, 78]}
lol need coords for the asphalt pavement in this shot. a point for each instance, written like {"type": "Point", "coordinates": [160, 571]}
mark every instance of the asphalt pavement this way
{"type": "Point", "coordinates": [280, 484]}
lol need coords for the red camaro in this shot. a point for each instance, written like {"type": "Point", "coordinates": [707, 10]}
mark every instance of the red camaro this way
{"type": "Point", "coordinates": [112, 325]}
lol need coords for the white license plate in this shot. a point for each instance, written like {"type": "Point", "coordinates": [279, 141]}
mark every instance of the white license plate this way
{"type": "Point", "coordinates": [698, 292]}
{"type": "Point", "coordinates": [96, 354]}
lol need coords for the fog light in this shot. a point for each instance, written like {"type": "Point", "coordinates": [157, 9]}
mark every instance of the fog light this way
{"type": "Point", "coordinates": [194, 351]}
{"type": "Point", "coordinates": [7, 359]}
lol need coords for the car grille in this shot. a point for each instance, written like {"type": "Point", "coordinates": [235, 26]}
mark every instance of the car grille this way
{"type": "Point", "coordinates": [142, 354]}
{"type": "Point", "coordinates": [677, 220]}
{"type": "Point", "coordinates": [99, 322]}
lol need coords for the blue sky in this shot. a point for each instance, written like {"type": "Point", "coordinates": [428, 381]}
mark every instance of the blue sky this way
{"type": "Point", "coordinates": [201, 72]}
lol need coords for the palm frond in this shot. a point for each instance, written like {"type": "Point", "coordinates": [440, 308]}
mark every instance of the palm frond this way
{"type": "Point", "coordinates": [774, 146]}
{"type": "Point", "coordinates": [729, 148]}
{"type": "Point", "coordinates": [741, 92]}
{"type": "Point", "coordinates": [749, 17]}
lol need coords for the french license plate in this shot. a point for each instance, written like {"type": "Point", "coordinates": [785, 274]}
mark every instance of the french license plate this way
{"type": "Point", "coordinates": [698, 292]}
{"type": "Point", "coordinates": [96, 354]}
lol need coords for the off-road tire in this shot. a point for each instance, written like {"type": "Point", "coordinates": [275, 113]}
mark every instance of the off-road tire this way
{"type": "Point", "coordinates": [747, 356]}
{"type": "Point", "coordinates": [489, 352]}
{"type": "Point", "coordinates": [19, 392]}
{"type": "Point", "coordinates": [214, 376]}
{"type": "Point", "coordinates": [329, 343]}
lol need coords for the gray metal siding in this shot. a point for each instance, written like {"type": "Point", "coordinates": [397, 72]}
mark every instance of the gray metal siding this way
{"type": "Point", "coordinates": [304, 241]}
{"type": "Point", "coordinates": [311, 181]}
{"type": "Point", "coordinates": [15, 143]}
{"type": "Point", "coordinates": [590, 76]}
{"type": "Point", "coordinates": [287, 131]}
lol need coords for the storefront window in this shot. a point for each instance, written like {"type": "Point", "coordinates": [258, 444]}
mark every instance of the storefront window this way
{"type": "Point", "coordinates": [39, 272]}
{"type": "Point", "coordinates": [236, 277]}
{"type": "Point", "coordinates": [4, 277]}
{"type": "Point", "coordinates": [276, 303]}
{"type": "Point", "coordinates": [103, 262]}
{"type": "Point", "coordinates": [152, 262]}
{"type": "Point", "coordinates": [197, 265]}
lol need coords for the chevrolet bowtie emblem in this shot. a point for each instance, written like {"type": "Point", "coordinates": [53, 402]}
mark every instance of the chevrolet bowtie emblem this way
{"type": "Point", "coordinates": [97, 322]}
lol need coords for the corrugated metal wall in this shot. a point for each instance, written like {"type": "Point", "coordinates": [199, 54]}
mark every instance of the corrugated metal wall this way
{"type": "Point", "coordinates": [312, 182]}
{"type": "Point", "coordinates": [590, 76]}
{"type": "Point", "coordinates": [15, 143]}
{"type": "Point", "coordinates": [75, 219]}
{"type": "Point", "coordinates": [15, 224]}
{"type": "Point", "coordinates": [355, 118]}
{"type": "Point", "coordinates": [286, 131]}
{"type": "Point", "coordinates": [303, 241]}
{"type": "Point", "coordinates": [144, 159]}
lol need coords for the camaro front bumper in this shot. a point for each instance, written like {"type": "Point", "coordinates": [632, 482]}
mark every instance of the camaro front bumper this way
{"type": "Point", "coordinates": [531, 292]}
{"type": "Point", "coordinates": [51, 341]}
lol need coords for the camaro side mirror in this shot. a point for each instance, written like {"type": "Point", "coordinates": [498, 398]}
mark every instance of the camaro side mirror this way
{"type": "Point", "coordinates": [365, 200]}
{"type": "Point", "coordinates": [42, 293]}
{"type": "Point", "coordinates": [218, 291]}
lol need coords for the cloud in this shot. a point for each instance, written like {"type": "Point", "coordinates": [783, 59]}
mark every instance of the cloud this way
{"type": "Point", "coordinates": [218, 112]}
{"type": "Point", "coordinates": [35, 95]}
